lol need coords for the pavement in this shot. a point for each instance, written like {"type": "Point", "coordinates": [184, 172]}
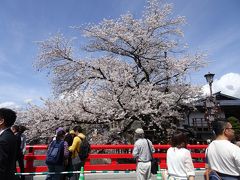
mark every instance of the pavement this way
{"type": "Point", "coordinates": [113, 176]}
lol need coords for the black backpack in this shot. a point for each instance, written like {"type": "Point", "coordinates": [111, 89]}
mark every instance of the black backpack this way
{"type": "Point", "coordinates": [85, 149]}
{"type": "Point", "coordinates": [55, 153]}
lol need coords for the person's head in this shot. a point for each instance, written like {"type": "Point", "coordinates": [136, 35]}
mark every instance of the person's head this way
{"type": "Point", "coordinates": [7, 117]}
{"type": "Point", "coordinates": [67, 129]}
{"type": "Point", "coordinates": [72, 133]}
{"type": "Point", "coordinates": [179, 140]}
{"type": "Point", "coordinates": [22, 128]}
{"type": "Point", "coordinates": [60, 135]}
{"type": "Point", "coordinates": [223, 129]}
{"type": "Point", "coordinates": [77, 130]}
{"type": "Point", "coordinates": [59, 129]}
{"type": "Point", "coordinates": [139, 133]}
{"type": "Point", "coordinates": [15, 128]}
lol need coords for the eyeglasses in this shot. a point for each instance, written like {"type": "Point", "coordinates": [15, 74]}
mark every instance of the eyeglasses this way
{"type": "Point", "coordinates": [231, 128]}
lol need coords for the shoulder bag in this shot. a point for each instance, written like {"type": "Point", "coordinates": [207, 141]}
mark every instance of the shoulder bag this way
{"type": "Point", "coordinates": [154, 161]}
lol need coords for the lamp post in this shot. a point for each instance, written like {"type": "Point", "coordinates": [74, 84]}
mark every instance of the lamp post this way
{"type": "Point", "coordinates": [210, 101]}
{"type": "Point", "coordinates": [167, 76]}
{"type": "Point", "coordinates": [209, 77]}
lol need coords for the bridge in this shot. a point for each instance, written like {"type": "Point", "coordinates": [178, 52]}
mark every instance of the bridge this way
{"type": "Point", "coordinates": [113, 176]}
{"type": "Point", "coordinates": [110, 161]}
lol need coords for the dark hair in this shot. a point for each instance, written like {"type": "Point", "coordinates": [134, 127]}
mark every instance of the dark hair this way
{"type": "Point", "coordinates": [22, 128]}
{"type": "Point", "coordinates": [60, 134]}
{"type": "Point", "coordinates": [77, 128]}
{"type": "Point", "coordinates": [219, 126]}
{"type": "Point", "coordinates": [67, 129]}
{"type": "Point", "coordinates": [8, 115]}
{"type": "Point", "coordinates": [178, 139]}
{"type": "Point", "coordinates": [15, 127]}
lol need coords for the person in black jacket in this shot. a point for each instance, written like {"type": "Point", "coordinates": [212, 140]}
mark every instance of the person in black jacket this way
{"type": "Point", "coordinates": [8, 145]}
{"type": "Point", "coordinates": [69, 139]}
{"type": "Point", "coordinates": [20, 156]}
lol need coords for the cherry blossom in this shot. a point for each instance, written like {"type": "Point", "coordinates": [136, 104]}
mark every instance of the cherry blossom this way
{"type": "Point", "coordinates": [137, 73]}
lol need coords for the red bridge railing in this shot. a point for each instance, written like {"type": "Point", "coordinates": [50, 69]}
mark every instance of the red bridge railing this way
{"type": "Point", "coordinates": [110, 157]}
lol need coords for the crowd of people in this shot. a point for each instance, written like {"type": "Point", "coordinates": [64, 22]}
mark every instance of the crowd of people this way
{"type": "Point", "coordinates": [62, 154]}
{"type": "Point", "coordinates": [65, 154]}
{"type": "Point", "coordinates": [222, 156]}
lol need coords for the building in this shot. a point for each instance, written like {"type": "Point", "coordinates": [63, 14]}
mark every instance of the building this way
{"type": "Point", "coordinates": [222, 106]}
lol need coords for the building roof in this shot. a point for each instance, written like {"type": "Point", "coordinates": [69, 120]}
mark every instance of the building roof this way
{"type": "Point", "coordinates": [221, 99]}
{"type": "Point", "coordinates": [221, 96]}
{"type": "Point", "coordinates": [229, 102]}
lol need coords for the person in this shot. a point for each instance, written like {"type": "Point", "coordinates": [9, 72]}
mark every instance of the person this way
{"type": "Point", "coordinates": [22, 129]}
{"type": "Point", "coordinates": [223, 156]}
{"type": "Point", "coordinates": [23, 148]}
{"type": "Point", "coordinates": [75, 149]}
{"type": "Point", "coordinates": [56, 130]}
{"type": "Point", "coordinates": [69, 139]}
{"type": "Point", "coordinates": [179, 160]}
{"type": "Point", "coordinates": [20, 156]}
{"type": "Point", "coordinates": [8, 145]}
{"type": "Point", "coordinates": [142, 152]}
{"type": "Point", "coordinates": [56, 161]}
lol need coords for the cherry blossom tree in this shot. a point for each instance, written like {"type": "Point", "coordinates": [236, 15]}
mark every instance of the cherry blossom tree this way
{"type": "Point", "coordinates": [43, 120]}
{"type": "Point", "coordinates": [136, 74]}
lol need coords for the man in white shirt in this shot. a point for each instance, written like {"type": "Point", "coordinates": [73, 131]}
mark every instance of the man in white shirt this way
{"type": "Point", "coordinates": [142, 151]}
{"type": "Point", "coordinates": [222, 155]}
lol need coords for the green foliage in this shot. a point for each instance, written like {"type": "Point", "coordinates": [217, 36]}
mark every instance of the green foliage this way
{"type": "Point", "coordinates": [236, 125]}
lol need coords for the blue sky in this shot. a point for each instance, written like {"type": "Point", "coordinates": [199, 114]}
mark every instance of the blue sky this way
{"type": "Point", "coordinates": [212, 26]}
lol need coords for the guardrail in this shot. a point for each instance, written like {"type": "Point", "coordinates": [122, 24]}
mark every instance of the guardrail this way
{"type": "Point", "coordinates": [109, 157]}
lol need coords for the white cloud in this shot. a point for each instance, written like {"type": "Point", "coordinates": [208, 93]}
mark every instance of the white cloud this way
{"type": "Point", "coordinates": [29, 100]}
{"type": "Point", "coordinates": [9, 104]}
{"type": "Point", "coordinates": [21, 95]}
{"type": "Point", "coordinates": [228, 84]}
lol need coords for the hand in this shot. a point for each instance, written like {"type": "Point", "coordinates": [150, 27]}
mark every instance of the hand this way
{"type": "Point", "coordinates": [191, 178]}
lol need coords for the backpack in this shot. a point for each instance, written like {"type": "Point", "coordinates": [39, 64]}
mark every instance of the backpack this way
{"type": "Point", "coordinates": [85, 149]}
{"type": "Point", "coordinates": [55, 153]}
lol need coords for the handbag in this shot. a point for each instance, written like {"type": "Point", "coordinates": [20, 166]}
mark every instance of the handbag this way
{"type": "Point", "coordinates": [154, 161]}
{"type": "Point", "coordinates": [154, 166]}
{"type": "Point", "coordinates": [76, 160]}
{"type": "Point", "coordinates": [211, 175]}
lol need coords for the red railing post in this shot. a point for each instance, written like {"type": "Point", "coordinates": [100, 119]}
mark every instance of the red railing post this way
{"type": "Point", "coordinates": [30, 160]}
{"type": "Point", "coordinates": [113, 161]}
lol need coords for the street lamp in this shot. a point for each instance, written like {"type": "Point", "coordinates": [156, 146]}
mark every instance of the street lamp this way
{"type": "Point", "coordinates": [209, 77]}
{"type": "Point", "coordinates": [210, 101]}
{"type": "Point", "coordinates": [167, 77]}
